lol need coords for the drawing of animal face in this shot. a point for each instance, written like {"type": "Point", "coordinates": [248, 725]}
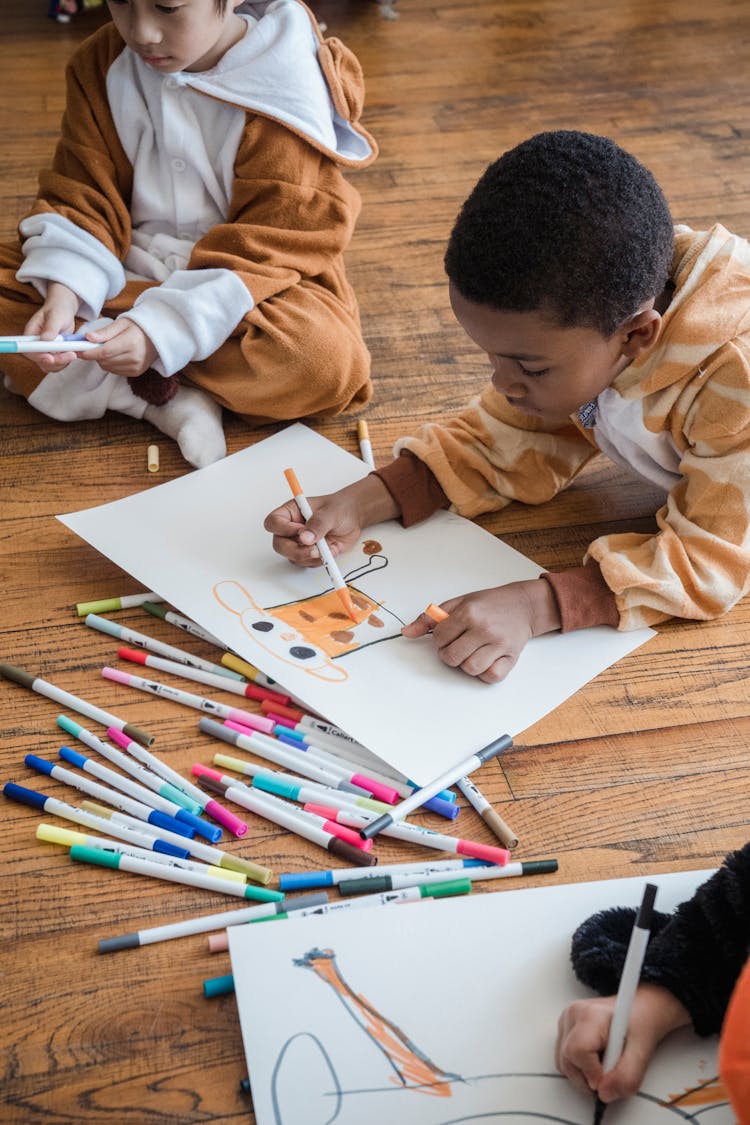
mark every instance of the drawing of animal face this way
{"type": "Point", "coordinates": [274, 634]}
{"type": "Point", "coordinates": [310, 633]}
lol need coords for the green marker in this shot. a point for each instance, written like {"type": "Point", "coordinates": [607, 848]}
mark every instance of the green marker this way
{"type": "Point", "coordinates": [111, 605]}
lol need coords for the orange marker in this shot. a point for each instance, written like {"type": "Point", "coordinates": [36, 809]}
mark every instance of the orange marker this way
{"type": "Point", "coordinates": [435, 612]}
{"type": "Point", "coordinates": [325, 551]}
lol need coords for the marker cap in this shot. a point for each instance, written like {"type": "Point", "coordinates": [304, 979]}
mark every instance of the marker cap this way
{"type": "Point", "coordinates": [25, 796]}
{"type": "Point", "coordinates": [448, 809]}
{"type": "Point", "coordinates": [218, 986]}
{"type": "Point", "coordinates": [450, 887]}
{"type": "Point", "coordinates": [102, 858]}
{"type": "Point", "coordinates": [489, 852]}
{"type": "Point", "coordinates": [39, 764]}
{"type": "Point", "coordinates": [352, 855]}
{"type": "Point", "coordinates": [364, 886]}
{"type": "Point", "coordinates": [113, 944]}
{"type": "Point", "coordinates": [264, 894]}
{"type": "Point", "coordinates": [72, 756]}
{"type": "Point", "coordinates": [253, 870]}
{"type": "Point", "coordinates": [139, 735]}
{"type": "Point", "coordinates": [279, 788]}
{"type": "Point", "coordinates": [107, 605]}
{"type": "Point", "coordinates": [293, 881]}
{"type": "Point", "coordinates": [210, 832]}
{"type": "Point", "coordinates": [538, 867]}
{"type": "Point", "coordinates": [70, 726]}
{"type": "Point", "coordinates": [11, 672]}
{"type": "Point", "coordinates": [156, 609]}
{"type": "Point", "coordinates": [376, 788]}
{"type": "Point", "coordinates": [54, 835]}
{"type": "Point", "coordinates": [166, 848]}
{"type": "Point", "coordinates": [171, 824]}
{"type": "Point", "coordinates": [236, 826]}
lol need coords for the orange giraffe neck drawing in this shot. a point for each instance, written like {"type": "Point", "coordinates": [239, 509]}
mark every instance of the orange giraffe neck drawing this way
{"type": "Point", "coordinates": [411, 1066]}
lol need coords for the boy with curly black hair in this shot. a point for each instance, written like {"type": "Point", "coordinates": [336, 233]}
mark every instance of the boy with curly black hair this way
{"type": "Point", "coordinates": [608, 330]}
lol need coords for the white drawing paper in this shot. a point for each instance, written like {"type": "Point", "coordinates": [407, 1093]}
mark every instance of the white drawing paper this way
{"type": "Point", "coordinates": [444, 1011]}
{"type": "Point", "coordinates": [199, 542]}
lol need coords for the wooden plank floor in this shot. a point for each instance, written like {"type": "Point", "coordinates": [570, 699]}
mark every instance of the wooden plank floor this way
{"type": "Point", "coordinates": [645, 770]}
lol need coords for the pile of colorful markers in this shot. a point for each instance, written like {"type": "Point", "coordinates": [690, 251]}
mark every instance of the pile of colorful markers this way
{"type": "Point", "coordinates": [154, 822]}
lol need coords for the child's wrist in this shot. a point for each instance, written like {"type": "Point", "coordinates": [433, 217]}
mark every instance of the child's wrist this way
{"type": "Point", "coordinates": [544, 612]}
{"type": "Point", "coordinates": [373, 502]}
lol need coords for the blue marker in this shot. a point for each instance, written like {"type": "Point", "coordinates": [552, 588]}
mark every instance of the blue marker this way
{"type": "Point", "coordinates": [109, 796]}
{"type": "Point", "coordinates": [435, 804]}
{"type": "Point", "coordinates": [165, 796]}
{"type": "Point", "coordinates": [90, 820]}
{"type": "Point", "coordinates": [176, 815]}
{"type": "Point", "coordinates": [304, 880]}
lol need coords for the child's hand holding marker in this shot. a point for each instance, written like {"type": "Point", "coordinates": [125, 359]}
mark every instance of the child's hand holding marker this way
{"type": "Point", "coordinates": [487, 629]}
{"type": "Point", "coordinates": [485, 632]}
{"type": "Point", "coordinates": [338, 517]}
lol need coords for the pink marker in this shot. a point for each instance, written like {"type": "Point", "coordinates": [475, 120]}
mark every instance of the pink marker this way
{"type": "Point", "coordinates": [187, 699]}
{"type": "Point", "coordinates": [222, 783]}
{"type": "Point", "coordinates": [413, 834]}
{"type": "Point", "coordinates": [233, 823]}
{"type": "Point", "coordinates": [331, 762]}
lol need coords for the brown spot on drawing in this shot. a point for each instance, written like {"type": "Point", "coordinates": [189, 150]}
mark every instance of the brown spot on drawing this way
{"type": "Point", "coordinates": [376, 622]}
{"type": "Point", "coordinates": [342, 636]}
{"type": "Point", "coordinates": [371, 547]}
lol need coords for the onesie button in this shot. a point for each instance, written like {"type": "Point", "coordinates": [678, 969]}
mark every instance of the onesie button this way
{"type": "Point", "coordinates": [172, 84]}
{"type": "Point", "coordinates": [178, 165]}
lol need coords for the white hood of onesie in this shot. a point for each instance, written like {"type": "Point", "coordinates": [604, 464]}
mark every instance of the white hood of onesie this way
{"type": "Point", "coordinates": [324, 100]}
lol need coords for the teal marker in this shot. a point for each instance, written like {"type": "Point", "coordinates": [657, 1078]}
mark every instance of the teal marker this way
{"type": "Point", "coordinates": [219, 986]}
{"type": "Point", "coordinates": [170, 793]}
{"type": "Point", "coordinates": [122, 862]}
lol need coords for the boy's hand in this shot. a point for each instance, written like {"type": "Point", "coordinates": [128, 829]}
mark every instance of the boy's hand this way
{"type": "Point", "coordinates": [55, 316]}
{"type": "Point", "coordinates": [583, 1031]}
{"type": "Point", "coordinates": [486, 631]}
{"type": "Point", "coordinates": [339, 517]}
{"type": "Point", "coordinates": [126, 349]}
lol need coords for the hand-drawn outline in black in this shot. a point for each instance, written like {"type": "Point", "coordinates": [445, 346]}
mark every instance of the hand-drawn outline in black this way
{"type": "Point", "coordinates": [289, 643]}
{"type": "Point", "coordinates": [491, 1097]}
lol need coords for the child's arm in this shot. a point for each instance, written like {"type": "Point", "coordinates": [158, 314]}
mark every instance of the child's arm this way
{"type": "Point", "coordinates": [78, 231]}
{"type": "Point", "coordinates": [273, 264]}
{"type": "Point", "coordinates": [695, 955]}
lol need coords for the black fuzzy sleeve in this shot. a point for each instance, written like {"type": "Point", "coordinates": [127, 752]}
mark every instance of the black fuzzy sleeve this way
{"type": "Point", "coordinates": [697, 952]}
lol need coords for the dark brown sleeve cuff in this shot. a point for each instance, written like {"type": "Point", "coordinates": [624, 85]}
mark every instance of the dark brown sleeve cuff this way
{"type": "Point", "coordinates": [583, 598]}
{"type": "Point", "coordinates": [414, 488]}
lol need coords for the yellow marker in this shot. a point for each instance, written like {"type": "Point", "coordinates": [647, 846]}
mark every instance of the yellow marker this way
{"type": "Point", "coordinates": [249, 671]}
{"type": "Point", "coordinates": [53, 835]}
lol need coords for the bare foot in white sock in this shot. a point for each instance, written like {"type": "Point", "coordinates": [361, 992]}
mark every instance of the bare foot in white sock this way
{"type": "Point", "coordinates": [194, 421]}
